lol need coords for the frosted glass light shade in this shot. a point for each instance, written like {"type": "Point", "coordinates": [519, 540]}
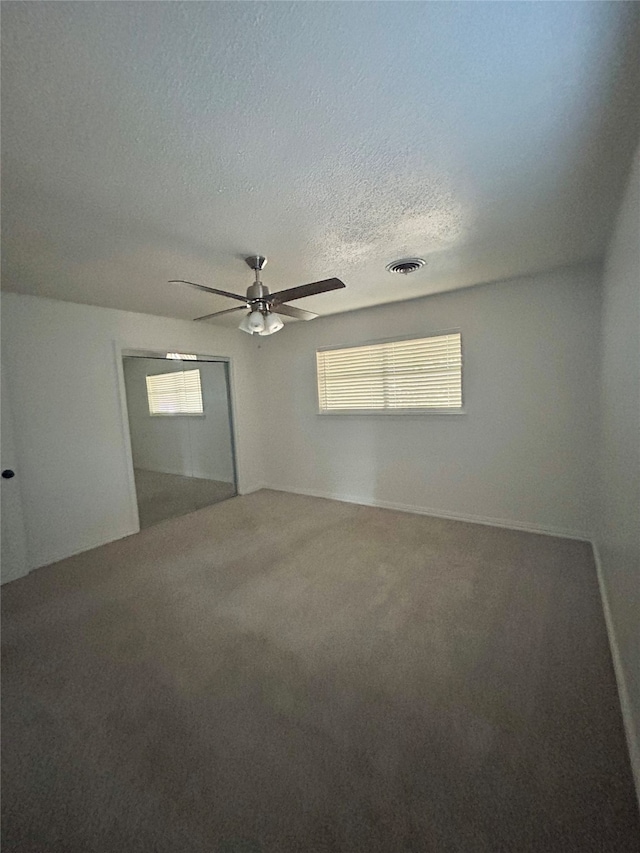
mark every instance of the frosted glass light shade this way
{"type": "Point", "coordinates": [272, 323]}
{"type": "Point", "coordinates": [253, 323]}
{"type": "Point", "coordinates": [244, 325]}
{"type": "Point", "coordinates": [256, 321]}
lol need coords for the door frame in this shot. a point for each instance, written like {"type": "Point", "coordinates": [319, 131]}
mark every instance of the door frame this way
{"type": "Point", "coordinates": [122, 352]}
{"type": "Point", "coordinates": [15, 562]}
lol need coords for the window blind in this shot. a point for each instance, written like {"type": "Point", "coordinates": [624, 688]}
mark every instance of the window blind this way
{"type": "Point", "coordinates": [175, 393]}
{"type": "Point", "coordinates": [182, 356]}
{"type": "Point", "coordinates": [422, 374]}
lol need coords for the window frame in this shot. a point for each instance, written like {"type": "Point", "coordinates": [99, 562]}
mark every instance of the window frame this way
{"type": "Point", "coordinates": [201, 414]}
{"type": "Point", "coordinates": [421, 412]}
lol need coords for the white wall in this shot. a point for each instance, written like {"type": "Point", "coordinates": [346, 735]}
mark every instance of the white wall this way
{"type": "Point", "coordinates": [617, 534]}
{"type": "Point", "coordinates": [67, 391]}
{"type": "Point", "coordinates": [195, 446]}
{"type": "Point", "coordinates": [523, 452]}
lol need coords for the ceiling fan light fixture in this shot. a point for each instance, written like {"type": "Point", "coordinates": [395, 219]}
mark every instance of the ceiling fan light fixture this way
{"type": "Point", "coordinates": [244, 325]}
{"type": "Point", "coordinates": [272, 323]}
{"type": "Point", "coordinates": [259, 322]}
{"type": "Point", "coordinates": [255, 321]}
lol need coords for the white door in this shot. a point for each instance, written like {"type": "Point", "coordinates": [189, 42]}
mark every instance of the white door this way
{"type": "Point", "coordinates": [13, 545]}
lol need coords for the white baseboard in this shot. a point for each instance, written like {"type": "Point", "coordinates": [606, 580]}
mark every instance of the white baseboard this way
{"type": "Point", "coordinates": [89, 546]}
{"type": "Point", "coordinates": [633, 739]}
{"type": "Point", "coordinates": [156, 470]}
{"type": "Point", "coordinates": [4, 580]}
{"type": "Point", "coordinates": [204, 476]}
{"type": "Point", "coordinates": [439, 513]}
{"type": "Point", "coordinates": [247, 489]}
{"type": "Point", "coordinates": [198, 475]}
{"type": "Point", "coordinates": [55, 558]}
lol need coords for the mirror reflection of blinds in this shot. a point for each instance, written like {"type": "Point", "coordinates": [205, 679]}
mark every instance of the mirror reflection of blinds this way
{"type": "Point", "coordinates": [175, 393]}
{"type": "Point", "coordinates": [420, 374]}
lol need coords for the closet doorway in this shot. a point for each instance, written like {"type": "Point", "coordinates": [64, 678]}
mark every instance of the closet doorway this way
{"type": "Point", "coordinates": [181, 428]}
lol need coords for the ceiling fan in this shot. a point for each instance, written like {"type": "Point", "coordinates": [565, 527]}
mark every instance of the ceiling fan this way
{"type": "Point", "coordinates": [261, 319]}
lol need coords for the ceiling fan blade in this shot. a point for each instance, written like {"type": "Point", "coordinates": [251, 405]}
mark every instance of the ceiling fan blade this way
{"type": "Point", "coordinates": [209, 289]}
{"type": "Point", "coordinates": [305, 290]}
{"type": "Point", "coordinates": [298, 313]}
{"type": "Point", "coordinates": [219, 313]}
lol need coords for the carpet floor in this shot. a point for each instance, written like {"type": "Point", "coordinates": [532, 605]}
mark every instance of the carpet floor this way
{"type": "Point", "coordinates": [280, 673]}
{"type": "Point", "coordinates": [161, 496]}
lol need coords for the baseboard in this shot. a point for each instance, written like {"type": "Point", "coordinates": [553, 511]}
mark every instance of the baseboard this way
{"type": "Point", "coordinates": [55, 558]}
{"type": "Point", "coordinates": [251, 487]}
{"type": "Point", "coordinates": [439, 513]}
{"type": "Point", "coordinates": [202, 476]}
{"type": "Point", "coordinates": [198, 475]}
{"type": "Point", "coordinates": [633, 739]}
{"type": "Point", "coordinates": [98, 544]}
{"type": "Point", "coordinates": [4, 580]}
{"type": "Point", "coordinates": [161, 471]}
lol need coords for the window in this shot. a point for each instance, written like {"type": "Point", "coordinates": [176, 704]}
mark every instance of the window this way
{"type": "Point", "coordinates": [175, 393]}
{"type": "Point", "coordinates": [424, 374]}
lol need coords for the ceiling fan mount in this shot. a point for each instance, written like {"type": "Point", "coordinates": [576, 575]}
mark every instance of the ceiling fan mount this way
{"type": "Point", "coordinates": [256, 262]}
{"type": "Point", "coordinates": [261, 319]}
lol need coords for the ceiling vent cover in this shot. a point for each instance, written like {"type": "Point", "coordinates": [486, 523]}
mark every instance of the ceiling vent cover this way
{"type": "Point", "coordinates": [406, 265]}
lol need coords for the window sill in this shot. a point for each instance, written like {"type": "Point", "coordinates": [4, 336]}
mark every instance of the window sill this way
{"type": "Point", "coordinates": [176, 414]}
{"type": "Point", "coordinates": [385, 413]}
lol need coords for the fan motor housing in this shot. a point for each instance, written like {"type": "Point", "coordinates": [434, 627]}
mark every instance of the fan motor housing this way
{"type": "Point", "coordinates": [257, 291]}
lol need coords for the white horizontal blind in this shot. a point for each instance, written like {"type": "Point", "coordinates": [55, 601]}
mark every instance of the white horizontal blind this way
{"type": "Point", "coordinates": [425, 373]}
{"type": "Point", "coordinates": [175, 393]}
{"type": "Point", "coordinates": [182, 356]}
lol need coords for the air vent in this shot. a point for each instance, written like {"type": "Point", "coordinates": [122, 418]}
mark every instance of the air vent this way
{"type": "Point", "coordinates": [406, 265]}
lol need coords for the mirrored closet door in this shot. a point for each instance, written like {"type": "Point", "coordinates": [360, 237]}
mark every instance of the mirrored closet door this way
{"type": "Point", "coordinates": [181, 434]}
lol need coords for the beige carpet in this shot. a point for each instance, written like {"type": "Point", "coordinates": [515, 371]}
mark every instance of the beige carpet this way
{"type": "Point", "coordinates": [161, 496]}
{"type": "Point", "coordinates": [281, 673]}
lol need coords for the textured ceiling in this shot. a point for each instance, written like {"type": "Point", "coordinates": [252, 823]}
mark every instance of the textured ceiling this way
{"type": "Point", "coordinates": [148, 141]}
